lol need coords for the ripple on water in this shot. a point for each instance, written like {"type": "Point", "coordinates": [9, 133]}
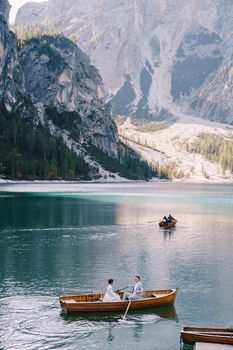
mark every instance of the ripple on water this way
{"type": "Point", "coordinates": [32, 323]}
{"type": "Point", "coordinates": [50, 326]}
{"type": "Point", "coordinates": [37, 323]}
{"type": "Point", "coordinates": [134, 320]}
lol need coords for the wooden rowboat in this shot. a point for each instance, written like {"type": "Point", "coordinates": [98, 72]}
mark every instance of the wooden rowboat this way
{"type": "Point", "coordinates": [192, 335]}
{"type": "Point", "coordinates": [93, 302]}
{"type": "Point", "coordinates": [164, 224]}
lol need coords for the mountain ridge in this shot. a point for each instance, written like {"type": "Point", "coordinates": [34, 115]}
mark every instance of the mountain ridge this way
{"type": "Point", "coordinates": [161, 55]}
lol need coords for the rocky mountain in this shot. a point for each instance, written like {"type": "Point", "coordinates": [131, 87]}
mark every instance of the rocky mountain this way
{"type": "Point", "coordinates": [214, 100]}
{"type": "Point", "coordinates": [67, 91]}
{"type": "Point", "coordinates": [8, 58]}
{"type": "Point", "coordinates": [158, 58]}
{"type": "Point", "coordinates": [4, 8]}
{"type": "Point", "coordinates": [46, 80]}
{"type": "Point", "coordinates": [51, 81]}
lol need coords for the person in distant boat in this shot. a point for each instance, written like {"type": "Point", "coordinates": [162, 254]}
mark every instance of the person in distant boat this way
{"type": "Point", "coordinates": [137, 290]}
{"type": "Point", "coordinates": [110, 295]}
{"type": "Point", "coordinates": [170, 218]}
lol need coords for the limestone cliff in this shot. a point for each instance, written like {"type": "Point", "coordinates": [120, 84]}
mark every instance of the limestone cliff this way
{"type": "Point", "coordinates": [156, 57]}
{"type": "Point", "coordinates": [49, 80]}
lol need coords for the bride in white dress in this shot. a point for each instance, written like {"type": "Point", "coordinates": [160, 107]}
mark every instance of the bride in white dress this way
{"type": "Point", "coordinates": [110, 295]}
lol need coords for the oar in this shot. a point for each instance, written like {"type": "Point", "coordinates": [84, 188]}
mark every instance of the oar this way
{"type": "Point", "coordinates": [128, 306]}
{"type": "Point", "coordinates": [149, 222]}
{"type": "Point", "coordinates": [120, 290]}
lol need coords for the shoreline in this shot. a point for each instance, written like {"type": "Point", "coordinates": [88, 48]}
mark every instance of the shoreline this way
{"type": "Point", "coordinates": [117, 181]}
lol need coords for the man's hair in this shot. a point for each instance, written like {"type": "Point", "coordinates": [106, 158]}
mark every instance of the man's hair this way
{"type": "Point", "coordinates": [138, 277]}
{"type": "Point", "coordinates": [110, 281]}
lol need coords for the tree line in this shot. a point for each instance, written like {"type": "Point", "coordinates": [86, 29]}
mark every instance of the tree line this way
{"type": "Point", "coordinates": [214, 148]}
{"type": "Point", "coordinates": [28, 153]}
{"type": "Point", "coordinates": [128, 165]}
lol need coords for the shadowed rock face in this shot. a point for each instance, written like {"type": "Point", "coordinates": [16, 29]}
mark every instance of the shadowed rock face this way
{"type": "Point", "coordinates": [153, 55]}
{"type": "Point", "coordinates": [49, 80]}
{"type": "Point", "coordinates": [67, 90]}
{"type": "Point", "coordinates": [215, 99]}
{"type": "Point", "coordinates": [5, 8]}
{"type": "Point", "coordinates": [8, 60]}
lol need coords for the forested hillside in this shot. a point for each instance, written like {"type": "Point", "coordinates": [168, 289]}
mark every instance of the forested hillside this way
{"type": "Point", "coordinates": [30, 154]}
{"type": "Point", "coordinates": [26, 153]}
{"type": "Point", "coordinates": [214, 148]}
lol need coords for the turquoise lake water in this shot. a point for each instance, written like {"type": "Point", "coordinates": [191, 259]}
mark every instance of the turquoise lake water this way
{"type": "Point", "coordinates": [54, 242]}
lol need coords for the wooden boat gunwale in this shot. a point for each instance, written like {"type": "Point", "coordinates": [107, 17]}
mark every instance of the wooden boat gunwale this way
{"type": "Point", "coordinates": [206, 329]}
{"type": "Point", "coordinates": [218, 335]}
{"type": "Point", "coordinates": [77, 303]}
{"type": "Point", "coordinates": [163, 224]}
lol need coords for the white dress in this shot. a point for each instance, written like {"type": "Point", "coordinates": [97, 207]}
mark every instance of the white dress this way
{"type": "Point", "coordinates": [110, 295]}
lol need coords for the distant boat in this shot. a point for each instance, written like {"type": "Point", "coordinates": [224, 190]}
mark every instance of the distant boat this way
{"type": "Point", "coordinates": [165, 224]}
{"type": "Point", "coordinates": [192, 335]}
{"type": "Point", "coordinates": [86, 303]}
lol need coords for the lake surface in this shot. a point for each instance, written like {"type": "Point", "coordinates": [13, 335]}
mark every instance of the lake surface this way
{"type": "Point", "coordinates": [65, 239]}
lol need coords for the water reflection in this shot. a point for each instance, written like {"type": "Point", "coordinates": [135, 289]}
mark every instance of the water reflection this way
{"type": "Point", "coordinates": [168, 232]}
{"type": "Point", "coordinates": [144, 316]}
{"type": "Point", "coordinates": [64, 244]}
{"type": "Point", "coordinates": [135, 322]}
{"type": "Point", "coordinates": [186, 346]}
{"type": "Point", "coordinates": [110, 337]}
{"type": "Point", "coordinates": [39, 212]}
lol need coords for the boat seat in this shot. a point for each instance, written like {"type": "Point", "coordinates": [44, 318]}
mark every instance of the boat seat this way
{"type": "Point", "coordinates": [70, 301]}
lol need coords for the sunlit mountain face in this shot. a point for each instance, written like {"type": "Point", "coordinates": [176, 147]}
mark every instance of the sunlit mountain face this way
{"type": "Point", "coordinates": [157, 58]}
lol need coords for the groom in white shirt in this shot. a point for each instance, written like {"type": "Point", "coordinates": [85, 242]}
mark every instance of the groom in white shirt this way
{"type": "Point", "coordinates": [137, 290]}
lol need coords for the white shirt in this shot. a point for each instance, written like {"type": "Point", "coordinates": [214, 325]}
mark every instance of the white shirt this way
{"type": "Point", "coordinates": [138, 290]}
{"type": "Point", "coordinates": [110, 295]}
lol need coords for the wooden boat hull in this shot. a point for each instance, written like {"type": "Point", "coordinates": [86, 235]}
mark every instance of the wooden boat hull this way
{"type": "Point", "coordinates": [90, 303]}
{"type": "Point", "coordinates": [192, 335]}
{"type": "Point", "coordinates": [163, 224]}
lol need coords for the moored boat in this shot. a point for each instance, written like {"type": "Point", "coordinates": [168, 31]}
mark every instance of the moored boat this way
{"type": "Point", "coordinates": [164, 224]}
{"type": "Point", "coordinates": [192, 335]}
{"type": "Point", "coordinates": [94, 302]}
